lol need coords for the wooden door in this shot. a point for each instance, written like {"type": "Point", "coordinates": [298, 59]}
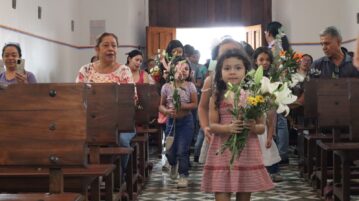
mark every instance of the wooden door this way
{"type": "Point", "coordinates": [158, 38]}
{"type": "Point", "coordinates": [254, 35]}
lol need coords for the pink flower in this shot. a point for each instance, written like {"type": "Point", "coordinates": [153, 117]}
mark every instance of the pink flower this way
{"type": "Point", "coordinates": [179, 69]}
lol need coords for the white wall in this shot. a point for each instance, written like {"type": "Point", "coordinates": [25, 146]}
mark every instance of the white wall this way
{"type": "Point", "coordinates": [349, 22]}
{"type": "Point", "coordinates": [53, 62]}
{"type": "Point", "coordinates": [125, 18]}
{"type": "Point", "coordinates": [304, 20]}
{"type": "Point", "coordinates": [50, 62]}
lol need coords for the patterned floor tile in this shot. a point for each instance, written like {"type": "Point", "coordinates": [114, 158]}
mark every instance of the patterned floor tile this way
{"type": "Point", "coordinates": [161, 188]}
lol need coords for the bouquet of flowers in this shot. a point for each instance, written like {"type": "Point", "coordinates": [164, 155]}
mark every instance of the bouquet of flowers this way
{"type": "Point", "coordinates": [285, 63]}
{"type": "Point", "coordinates": [175, 73]}
{"type": "Point", "coordinates": [252, 98]}
{"type": "Point", "coordinates": [285, 66]}
{"type": "Point", "coordinates": [155, 72]}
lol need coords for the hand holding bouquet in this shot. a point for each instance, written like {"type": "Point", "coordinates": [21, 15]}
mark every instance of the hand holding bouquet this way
{"type": "Point", "coordinates": [251, 99]}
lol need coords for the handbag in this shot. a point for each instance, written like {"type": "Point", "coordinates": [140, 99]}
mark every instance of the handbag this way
{"type": "Point", "coordinates": [169, 142]}
{"type": "Point", "coordinates": [161, 118]}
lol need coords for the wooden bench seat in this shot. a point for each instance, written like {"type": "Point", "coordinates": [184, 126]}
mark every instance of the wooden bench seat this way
{"type": "Point", "coordinates": [335, 105]}
{"type": "Point", "coordinates": [42, 197]}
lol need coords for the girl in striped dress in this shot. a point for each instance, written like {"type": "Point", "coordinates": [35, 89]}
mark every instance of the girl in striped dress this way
{"type": "Point", "coordinates": [248, 173]}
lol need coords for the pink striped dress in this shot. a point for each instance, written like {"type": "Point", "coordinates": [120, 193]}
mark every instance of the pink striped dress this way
{"type": "Point", "coordinates": [248, 173]}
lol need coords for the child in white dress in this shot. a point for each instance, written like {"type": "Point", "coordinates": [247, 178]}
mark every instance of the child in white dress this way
{"type": "Point", "coordinates": [263, 56]}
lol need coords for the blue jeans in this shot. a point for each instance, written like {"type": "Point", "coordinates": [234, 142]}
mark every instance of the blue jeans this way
{"type": "Point", "coordinates": [125, 141]}
{"type": "Point", "coordinates": [195, 124]}
{"type": "Point", "coordinates": [181, 144]}
{"type": "Point", "coordinates": [282, 137]}
{"type": "Point", "coordinates": [199, 142]}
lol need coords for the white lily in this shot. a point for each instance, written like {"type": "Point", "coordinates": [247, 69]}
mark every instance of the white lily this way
{"type": "Point", "coordinates": [267, 86]}
{"type": "Point", "coordinates": [296, 78]}
{"type": "Point", "coordinates": [229, 96]}
{"type": "Point", "coordinates": [284, 97]}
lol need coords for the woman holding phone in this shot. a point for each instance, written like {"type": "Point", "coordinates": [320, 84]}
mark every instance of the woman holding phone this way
{"type": "Point", "coordinates": [15, 72]}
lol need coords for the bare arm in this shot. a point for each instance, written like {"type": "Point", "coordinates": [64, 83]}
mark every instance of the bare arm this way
{"type": "Point", "coordinates": [192, 105]}
{"type": "Point", "coordinates": [271, 125]}
{"type": "Point", "coordinates": [214, 119]}
{"type": "Point", "coordinates": [146, 78]}
{"type": "Point", "coordinates": [162, 108]}
{"type": "Point", "coordinates": [203, 106]}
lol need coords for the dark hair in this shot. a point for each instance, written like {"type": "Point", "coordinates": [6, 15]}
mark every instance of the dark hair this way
{"type": "Point", "coordinates": [132, 54]}
{"type": "Point", "coordinates": [17, 46]}
{"type": "Point", "coordinates": [182, 58]}
{"type": "Point", "coordinates": [351, 53]}
{"type": "Point", "coordinates": [273, 28]}
{"type": "Point", "coordinates": [103, 35]}
{"type": "Point", "coordinates": [188, 50]}
{"type": "Point", "coordinates": [259, 51]}
{"type": "Point", "coordinates": [226, 41]}
{"type": "Point", "coordinates": [248, 48]}
{"type": "Point", "coordinates": [220, 85]}
{"type": "Point", "coordinates": [311, 58]}
{"type": "Point", "coordinates": [94, 58]}
{"type": "Point", "coordinates": [172, 45]}
{"type": "Point", "coordinates": [149, 60]}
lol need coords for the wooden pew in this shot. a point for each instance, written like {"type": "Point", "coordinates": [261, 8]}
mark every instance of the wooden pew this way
{"type": "Point", "coordinates": [345, 153]}
{"type": "Point", "coordinates": [41, 197]}
{"type": "Point", "coordinates": [110, 110]}
{"type": "Point", "coordinates": [41, 131]}
{"type": "Point", "coordinates": [307, 154]}
{"type": "Point", "coordinates": [147, 110]}
{"type": "Point", "coordinates": [49, 110]}
{"type": "Point", "coordinates": [333, 112]}
{"type": "Point", "coordinates": [311, 153]}
{"type": "Point", "coordinates": [336, 106]}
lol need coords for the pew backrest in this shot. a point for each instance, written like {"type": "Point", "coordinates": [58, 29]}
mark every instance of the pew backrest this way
{"type": "Point", "coordinates": [110, 109]}
{"type": "Point", "coordinates": [333, 103]}
{"type": "Point", "coordinates": [354, 110]}
{"type": "Point", "coordinates": [43, 125]}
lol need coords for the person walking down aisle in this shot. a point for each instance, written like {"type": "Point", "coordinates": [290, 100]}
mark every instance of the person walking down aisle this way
{"type": "Point", "coordinates": [282, 137]}
{"type": "Point", "coordinates": [248, 173]}
{"type": "Point", "coordinates": [262, 56]}
{"type": "Point", "coordinates": [180, 122]}
{"type": "Point", "coordinates": [208, 88]}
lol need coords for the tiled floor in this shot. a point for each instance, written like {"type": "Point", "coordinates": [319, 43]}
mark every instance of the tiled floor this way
{"type": "Point", "coordinates": [162, 188]}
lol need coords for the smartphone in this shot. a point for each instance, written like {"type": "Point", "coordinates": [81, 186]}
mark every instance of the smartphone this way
{"type": "Point", "coordinates": [2, 69]}
{"type": "Point", "coordinates": [20, 66]}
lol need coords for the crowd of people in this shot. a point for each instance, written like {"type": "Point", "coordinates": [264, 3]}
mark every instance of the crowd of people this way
{"type": "Point", "coordinates": [192, 100]}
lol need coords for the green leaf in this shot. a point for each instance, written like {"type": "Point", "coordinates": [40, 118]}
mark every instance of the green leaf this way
{"type": "Point", "coordinates": [258, 74]}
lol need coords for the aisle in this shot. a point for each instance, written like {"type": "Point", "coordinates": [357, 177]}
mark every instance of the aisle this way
{"type": "Point", "coordinates": [162, 188]}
